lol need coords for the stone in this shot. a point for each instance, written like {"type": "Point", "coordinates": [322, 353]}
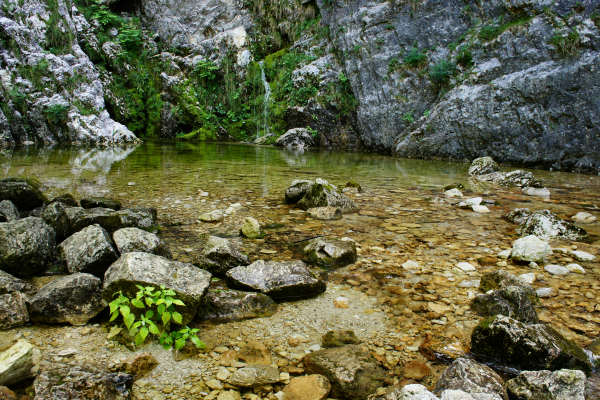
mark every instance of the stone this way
{"type": "Point", "coordinates": [326, 195]}
{"type": "Point", "coordinates": [563, 384]}
{"type": "Point", "coordinates": [250, 228]}
{"type": "Point", "coordinates": [73, 299]}
{"type": "Point", "coordinates": [465, 267]}
{"type": "Point", "coordinates": [527, 278]}
{"type": "Point", "coordinates": [530, 248]}
{"type": "Point", "coordinates": [473, 378]}
{"type": "Point", "coordinates": [453, 193]}
{"type": "Point", "coordinates": [517, 216]}
{"type": "Point", "coordinates": [7, 394]}
{"type": "Point", "coordinates": [212, 216]}
{"type": "Point", "coordinates": [296, 138]}
{"type": "Point", "coordinates": [18, 363]}
{"type": "Point", "coordinates": [93, 202]}
{"type": "Point", "coordinates": [526, 347]}
{"type": "Point", "coordinates": [227, 305]}
{"type": "Point", "coordinates": [285, 280]}
{"type": "Point", "coordinates": [26, 246]}
{"type": "Point", "coordinates": [138, 365]}
{"type": "Point", "coordinates": [229, 395]}
{"type": "Point", "coordinates": [255, 353]}
{"type": "Point", "coordinates": [545, 292]}
{"type": "Point", "coordinates": [55, 215]}
{"type": "Point", "coordinates": [545, 225]}
{"type": "Point", "coordinates": [13, 310]}
{"type": "Point", "coordinates": [539, 192]}
{"type": "Point", "coordinates": [330, 253]}
{"type": "Point", "coordinates": [307, 387]}
{"type": "Point", "coordinates": [353, 373]}
{"type": "Point", "coordinates": [483, 165]}
{"type": "Point", "coordinates": [66, 199]}
{"type": "Point", "coordinates": [338, 338]}
{"type": "Point", "coordinates": [410, 392]}
{"type": "Point", "coordinates": [111, 220]}
{"type": "Point", "coordinates": [255, 375]}
{"type": "Point", "coordinates": [513, 301]}
{"type": "Point", "coordinates": [468, 203]}
{"type": "Point", "coordinates": [188, 281]}
{"type": "Point", "coordinates": [128, 240]}
{"type": "Point", "coordinates": [10, 284]}
{"type": "Point", "coordinates": [297, 190]}
{"type": "Point", "coordinates": [576, 268]}
{"type": "Point", "coordinates": [8, 211]}
{"type": "Point", "coordinates": [23, 193]}
{"type": "Point", "coordinates": [325, 213]}
{"type": "Point", "coordinates": [416, 370]}
{"type": "Point", "coordinates": [501, 279]}
{"type": "Point", "coordinates": [556, 269]}
{"type": "Point", "coordinates": [582, 256]}
{"type": "Point", "coordinates": [480, 209]}
{"type": "Point", "coordinates": [90, 250]}
{"type": "Point", "coordinates": [219, 255]}
{"type": "Point", "coordinates": [583, 217]}
{"type": "Point", "coordinates": [516, 178]}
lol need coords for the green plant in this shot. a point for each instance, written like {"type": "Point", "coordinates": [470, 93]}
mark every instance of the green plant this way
{"type": "Point", "coordinates": [464, 57]}
{"type": "Point", "coordinates": [408, 117]}
{"type": "Point", "coordinates": [415, 57]}
{"type": "Point", "coordinates": [489, 32]}
{"type": "Point", "coordinates": [567, 45]}
{"type": "Point", "coordinates": [56, 114]}
{"type": "Point", "coordinates": [59, 38]}
{"type": "Point", "coordinates": [441, 72]}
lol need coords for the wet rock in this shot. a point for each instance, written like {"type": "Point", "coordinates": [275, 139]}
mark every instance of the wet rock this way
{"type": "Point", "coordinates": [466, 267]}
{"type": "Point", "coordinates": [526, 347]}
{"type": "Point", "coordinates": [472, 377]}
{"type": "Point", "coordinates": [518, 215]}
{"type": "Point", "coordinates": [545, 225]}
{"type": "Point", "coordinates": [453, 193]}
{"type": "Point", "coordinates": [226, 305]}
{"type": "Point", "coordinates": [111, 220]}
{"type": "Point", "coordinates": [255, 375]}
{"type": "Point", "coordinates": [10, 284]}
{"type": "Point", "coordinates": [480, 209]}
{"type": "Point", "coordinates": [530, 248]}
{"type": "Point", "coordinates": [584, 218]}
{"type": "Point", "coordinates": [188, 281]}
{"type": "Point", "coordinates": [18, 363]}
{"type": "Point", "coordinates": [24, 194]}
{"type": "Point", "coordinates": [138, 366]}
{"type": "Point", "coordinates": [13, 310]}
{"type": "Point", "coordinates": [513, 301]}
{"type": "Point", "coordinates": [582, 256]}
{"type": "Point", "coordinates": [516, 178]}
{"type": "Point", "coordinates": [482, 166]}
{"type": "Point", "coordinates": [330, 252]}
{"type": "Point", "coordinates": [545, 292]}
{"type": "Point", "coordinates": [325, 213]}
{"type": "Point", "coordinates": [134, 239]}
{"type": "Point", "coordinates": [539, 192]}
{"type": "Point", "coordinates": [55, 215]}
{"type": "Point", "coordinates": [89, 250]}
{"type": "Point", "coordinates": [103, 202]}
{"type": "Point", "coordinates": [307, 387]}
{"type": "Point", "coordinates": [563, 384]}
{"type": "Point", "coordinates": [212, 216]}
{"type": "Point", "coordinates": [296, 138]}
{"type": "Point", "coordinates": [416, 370]}
{"type": "Point", "coordinates": [8, 211]}
{"type": "Point", "coordinates": [409, 392]}
{"type": "Point", "coordinates": [219, 255]}
{"type": "Point", "coordinates": [139, 217]}
{"type": "Point", "coordinates": [67, 199]}
{"type": "Point", "coordinates": [250, 228]}
{"type": "Point", "coordinates": [26, 246]}
{"type": "Point", "coordinates": [338, 338]}
{"type": "Point", "coordinates": [285, 280]}
{"type": "Point", "coordinates": [73, 299]}
{"type": "Point", "coordinates": [324, 194]}
{"type": "Point", "coordinates": [501, 279]}
{"type": "Point", "coordinates": [556, 269]}
{"type": "Point", "coordinates": [353, 373]}
{"type": "Point", "coordinates": [576, 268]}
{"type": "Point", "coordinates": [297, 190]}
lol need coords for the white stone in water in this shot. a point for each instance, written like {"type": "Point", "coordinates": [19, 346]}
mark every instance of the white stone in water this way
{"type": "Point", "coordinates": [582, 255]}
{"type": "Point", "coordinates": [233, 208]}
{"type": "Point", "coordinates": [545, 292]}
{"type": "Point", "coordinates": [533, 264]}
{"type": "Point", "coordinates": [474, 201]}
{"type": "Point", "coordinates": [212, 216]}
{"type": "Point", "coordinates": [465, 267]}
{"type": "Point", "coordinates": [480, 209]}
{"type": "Point", "coordinates": [470, 283]}
{"type": "Point", "coordinates": [528, 278]}
{"type": "Point", "coordinates": [539, 192]}
{"type": "Point", "coordinates": [453, 193]}
{"type": "Point", "coordinates": [530, 248]}
{"type": "Point", "coordinates": [410, 264]}
{"type": "Point", "coordinates": [576, 268]}
{"type": "Point", "coordinates": [504, 254]}
{"type": "Point", "coordinates": [556, 269]}
{"type": "Point", "coordinates": [584, 217]}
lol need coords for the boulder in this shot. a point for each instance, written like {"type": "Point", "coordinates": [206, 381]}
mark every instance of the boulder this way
{"type": "Point", "coordinates": [338, 338]}
{"type": "Point", "coordinates": [513, 301]}
{"type": "Point", "coordinates": [73, 299]}
{"type": "Point", "coordinates": [564, 384]}
{"type": "Point", "coordinates": [472, 377]}
{"type": "Point", "coordinates": [111, 220]}
{"type": "Point", "coordinates": [325, 213]}
{"type": "Point", "coordinates": [281, 280]}
{"type": "Point", "coordinates": [134, 239]}
{"type": "Point", "coordinates": [530, 248]}
{"type": "Point", "coordinates": [219, 255]}
{"type": "Point", "coordinates": [296, 138]}
{"type": "Point", "coordinates": [526, 347]}
{"type": "Point", "coordinates": [26, 246]}
{"type": "Point", "coordinates": [13, 310]}
{"type": "Point", "coordinates": [354, 373]}
{"type": "Point", "coordinates": [297, 190]}
{"type": "Point", "coordinates": [324, 194]}
{"type": "Point", "coordinates": [89, 250]}
{"type": "Point", "coordinates": [8, 211]}
{"type": "Point", "coordinates": [330, 252]}
{"type": "Point", "coordinates": [516, 178]}
{"type": "Point", "coordinates": [212, 216]}
{"type": "Point", "coordinates": [545, 225]}
{"type": "Point", "coordinates": [18, 363]}
{"type": "Point", "coordinates": [517, 216]}
{"type": "Point", "coordinates": [226, 305]}
{"type": "Point", "coordinates": [10, 284]}
{"type": "Point", "coordinates": [483, 165]}
{"type": "Point", "coordinates": [93, 202]}
{"type": "Point", "coordinates": [307, 387]}
{"type": "Point", "coordinates": [250, 228]}
{"type": "Point", "coordinates": [139, 217]}
{"type": "Point", "coordinates": [188, 281]}
{"type": "Point", "coordinates": [67, 199]}
{"type": "Point", "coordinates": [55, 215]}
{"type": "Point", "coordinates": [23, 193]}
{"type": "Point", "coordinates": [254, 375]}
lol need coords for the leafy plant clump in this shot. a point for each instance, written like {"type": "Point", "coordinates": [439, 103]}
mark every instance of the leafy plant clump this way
{"type": "Point", "coordinates": [440, 73]}
{"type": "Point", "coordinates": [151, 313]}
{"type": "Point", "coordinates": [567, 45]}
{"type": "Point", "coordinates": [415, 58]}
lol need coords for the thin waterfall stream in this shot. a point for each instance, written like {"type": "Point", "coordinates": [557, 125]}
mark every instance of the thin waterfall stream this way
{"type": "Point", "coordinates": [265, 101]}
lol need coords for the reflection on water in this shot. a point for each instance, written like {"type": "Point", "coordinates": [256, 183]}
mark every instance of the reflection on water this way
{"type": "Point", "coordinates": [99, 160]}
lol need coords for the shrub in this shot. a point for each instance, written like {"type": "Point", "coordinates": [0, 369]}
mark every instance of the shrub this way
{"type": "Point", "coordinates": [464, 57]}
{"type": "Point", "coordinates": [441, 72]}
{"type": "Point", "coordinates": [567, 46]}
{"type": "Point", "coordinates": [414, 57]}
{"type": "Point", "coordinates": [56, 115]}
{"type": "Point", "coordinates": [489, 32]}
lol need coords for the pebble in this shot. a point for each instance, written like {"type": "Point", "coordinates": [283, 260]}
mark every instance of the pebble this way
{"type": "Point", "coordinates": [533, 264]}
{"type": "Point", "coordinates": [528, 278]}
{"type": "Point", "coordinates": [341, 302]}
{"type": "Point", "coordinates": [576, 268]}
{"type": "Point", "coordinates": [214, 384]}
{"type": "Point", "coordinates": [465, 267]}
{"type": "Point", "coordinates": [582, 255]}
{"type": "Point", "coordinates": [453, 193]}
{"type": "Point", "coordinates": [469, 283]}
{"type": "Point", "coordinates": [480, 209]}
{"type": "Point", "coordinates": [410, 264]}
{"type": "Point", "coordinates": [545, 292]}
{"type": "Point", "coordinates": [223, 374]}
{"type": "Point", "coordinates": [475, 201]}
{"type": "Point", "coordinates": [584, 217]}
{"type": "Point", "coordinates": [539, 192]}
{"type": "Point", "coordinates": [556, 269]}
{"type": "Point", "coordinates": [504, 254]}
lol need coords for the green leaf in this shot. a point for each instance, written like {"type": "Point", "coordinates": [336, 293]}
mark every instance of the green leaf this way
{"type": "Point", "coordinates": [144, 333]}
{"type": "Point", "coordinates": [179, 343]}
{"type": "Point", "coordinates": [161, 309]}
{"type": "Point", "coordinates": [149, 301]}
{"type": "Point", "coordinates": [138, 339]}
{"type": "Point", "coordinates": [113, 316]}
{"type": "Point", "coordinates": [178, 302]}
{"type": "Point", "coordinates": [197, 342]}
{"type": "Point", "coordinates": [166, 317]}
{"type": "Point", "coordinates": [160, 301]}
{"type": "Point", "coordinates": [137, 303]}
{"type": "Point", "coordinates": [153, 328]}
{"type": "Point", "coordinates": [177, 318]}
{"type": "Point", "coordinates": [149, 314]}
{"type": "Point", "coordinates": [113, 306]}
{"type": "Point", "coordinates": [128, 320]}
{"type": "Point", "coordinates": [125, 311]}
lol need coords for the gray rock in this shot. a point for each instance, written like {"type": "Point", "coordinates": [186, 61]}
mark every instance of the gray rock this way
{"type": "Point", "coordinates": [483, 165]}
{"type": "Point", "coordinates": [530, 248]}
{"type": "Point", "coordinates": [518, 178]}
{"type": "Point", "coordinates": [18, 363]}
{"type": "Point", "coordinates": [8, 211]}
{"type": "Point", "coordinates": [188, 281]}
{"type": "Point", "coordinates": [67, 199]}
{"type": "Point", "coordinates": [563, 384]}
{"type": "Point", "coordinates": [89, 250]}
{"type": "Point", "coordinates": [545, 225]}
{"type": "Point", "coordinates": [13, 310]}
{"type": "Point", "coordinates": [408, 392]}
{"type": "Point", "coordinates": [297, 190]}
{"type": "Point", "coordinates": [73, 299]}
{"type": "Point", "coordinates": [471, 377]}
{"type": "Point", "coordinates": [583, 217]}
{"type": "Point", "coordinates": [226, 305]}
{"type": "Point", "coordinates": [11, 284]}
{"type": "Point", "coordinates": [296, 138]}
{"type": "Point", "coordinates": [55, 215]}
{"type": "Point", "coordinates": [325, 213]}
{"type": "Point", "coordinates": [135, 239]}
{"type": "Point", "coordinates": [354, 374]}
{"type": "Point", "coordinates": [330, 252]}
{"type": "Point", "coordinates": [501, 279]}
{"type": "Point", "coordinates": [24, 194]}
{"type": "Point", "coordinates": [212, 216]}
{"type": "Point", "coordinates": [513, 301]}
{"type": "Point", "coordinates": [254, 375]}
{"type": "Point", "coordinates": [526, 347]}
{"type": "Point", "coordinates": [103, 202]}
{"type": "Point", "coordinates": [280, 280]}
{"type": "Point", "coordinates": [517, 216]}
{"type": "Point", "coordinates": [26, 246]}
{"type": "Point", "coordinates": [111, 220]}
{"type": "Point", "coordinates": [326, 195]}
{"type": "Point", "coordinates": [219, 255]}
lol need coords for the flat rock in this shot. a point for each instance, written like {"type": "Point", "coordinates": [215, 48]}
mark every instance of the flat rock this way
{"type": "Point", "coordinates": [530, 248]}
{"type": "Point", "coordinates": [93, 202]}
{"type": "Point", "coordinates": [556, 269]}
{"type": "Point", "coordinates": [517, 178]}
{"type": "Point", "coordinates": [513, 301]}
{"type": "Point", "coordinates": [250, 228]}
{"type": "Point", "coordinates": [325, 213]}
{"type": "Point", "coordinates": [226, 305]}
{"type": "Point", "coordinates": [545, 292]}
{"type": "Point", "coordinates": [545, 225]}
{"type": "Point", "coordinates": [255, 375]}
{"type": "Point", "coordinates": [111, 220]}
{"type": "Point", "coordinates": [18, 363]}
{"type": "Point", "coordinates": [89, 250]}
{"type": "Point", "coordinates": [466, 267]}
{"type": "Point", "coordinates": [219, 255]}
{"type": "Point", "coordinates": [8, 211]}
{"type": "Point", "coordinates": [330, 252]}
{"type": "Point", "coordinates": [24, 194]}
{"type": "Point", "coordinates": [128, 240]}
{"type": "Point", "coordinates": [13, 310]}
{"type": "Point", "coordinates": [471, 377]}
{"type": "Point", "coordinates": [563, 384]}
{"type": "Point", "coordinates": [212, 216]}
{"type": "Point", "coordinates": [307, 387]}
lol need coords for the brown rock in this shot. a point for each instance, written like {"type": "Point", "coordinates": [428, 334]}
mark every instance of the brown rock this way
{"type": "Point", "coordinates": [255, 353]}
{"type": "Point", "coordinates": [416, 370]}
{"type": "Point", "coordinates": [308, 387]}
{"type": "Point", "coordinates": [7, 394]}
{"type": "Point", "coordinates": [138, 366]}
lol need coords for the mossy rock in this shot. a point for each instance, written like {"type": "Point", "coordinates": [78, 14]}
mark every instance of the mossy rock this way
{"type": "Point", "coordinates": [24, 193]}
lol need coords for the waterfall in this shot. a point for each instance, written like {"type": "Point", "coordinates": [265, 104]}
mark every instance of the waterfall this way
{"type": "Point", "coordinates": [265, 101]}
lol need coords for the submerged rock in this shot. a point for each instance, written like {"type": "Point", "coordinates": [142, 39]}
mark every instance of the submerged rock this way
{"type": "Point", "coordinates": [501, 279]}
{"type": "Point", "coordinates": [307, 387]}
{"type": "Point", "coordinates": [325, 213]}
{"type": "Point", "coordinates": [330, 252]}
{"type": "Point", "coordinates": [530, 248]}
{"type": "Point", "coordinates": [73, 299]}
{"type": "Point", "coordinates": [89, 250]}
{"type": "Point", "coordinates": [8, 211]}
{"type": "Point", "coordinates": [338, 338]}
{"type": "Point", "coordinates": [584, 218]}
{"type": "Point", "coordinates": [513, 301]}
{"type": "Point", "coordinates": [482, 166]}
{"type": "Point", "coordinates": [297, 190]}
{"type": "Point", "coordinates": [212, 216]}
{"type": "Point", "coordinates": [281, 280]}
{"type": "Point", "coordinates": [18, 363]}
{"type": "Point", "coordinates": [103, 202]}
{"type": "Point", "coordinates": [472, 377]}
{"type": "Point", "coordinates": [226, 305]}
{"type": "Point", "coordinates": [219, 255]}
{"type": "Point", "coordinates": [563, 384]}
{"type": "Point", "coordinates": [518, 215]}
{"type": "Point", "coordinates": [24, 194]}
{"type": "Point", "coordinates": [296, 138]}
{"type": "Point", "coordinates": [545, 225]}
{"type": "Point", "coordinates": [250, 228]}
{"type": "Point", "coordinates": [326, 195]}
{"type": "Point", "coordinates": [516, 178]}
{"type": "Point", "coordinates": [134, 239]}
{"type": "Point", "coordinates": [13, 310]}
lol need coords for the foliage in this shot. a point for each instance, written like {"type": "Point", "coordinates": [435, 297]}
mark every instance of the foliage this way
{"type": "Point", "coordinates": [415, 57]}
{"type": "Point", "coordinates": [567, 45]}
{"type": "Point", "coordinates": [151, 313]}
{"type": "Point", "coordinates": [59, 38]}
{"type": "Point", "coordinates": [441, 72]}
{"type": "Point", "coordinates": [56, 115]}
{"type": "Point", "coordinates": [408, 117]}
{"type": "Point", "coordinates": [489, 32]}
{"type": "Point", "coordinates": [464, 57]}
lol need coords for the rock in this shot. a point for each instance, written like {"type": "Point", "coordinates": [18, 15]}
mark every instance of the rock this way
{"type": "Point", "coordinates": [8, 211]}
{"type": "Point", "coordinates": [7, 394]}
{"type": "Point", "coordinates": [138, 365]}
{"type": "Point", "coordinates": [330, 252]}
{"type": "Point", "coordinates": [352, 372]}
{"type": "Point", "coordinates": [26, 246]}
{"type": "Point", "coordinates": [89, 250]}
{"type": "Point", "coordinates": [13, 310]}
{"type": "Point", "coordinates": [93, 202]}
{"type": "Point", "coordinates": [462, 395]}
{"type": "Point", "coordinates": [480, 209]}
{"type": "Point", "coordinates": [483, 165]}
{"type": "Point", "coordinates": [556, 269]}
{"type": "Point", "coordinates": [296, 138]}
{"type": "Point", "coordinates": [518, 215]}
{"type": "Point", "coordinates": [465, 267]}
{"type": "Point", "coordinates": [250, 228]}
{"type": "Point", "coordinates": [226, 305]}
{"type": "Point", "coordinates": [530, 248]}
{"type": "Point", "coordinates": [55, 215]}
{"type": "Point", "coordinates": [416, 370]}
{"type": "Point", "coordinates": [286, 280]}
{"type": "Point", "coordinates": [576, 268]}
{"type": "Point", "coordinates": [219, 255]}
{"type": "Point", "coordinates": [188, 281]}
{"type": "Point", "coordinates": [583, 217]}
{"type": "Point", "coordinates": [453, 193]}
{"type": "Point", "coordinates": [504, 254]}
{"type": "Point", "coordinates": [307, 387]}
{"type": "Point", "coordinates": [472, 377]}
{"type": "Point", "coordinates": [539, 192]}
{"type": "Point", "coordinates": [501, 279]}
{"type": "Point", "coordinates": [563, 384]}
{"type": "Point", "coordinates": [528, 278]}
{"type": "Point", "coordinates": [129, 240]}
{"type": "Point", "coordinates": [111, 220]}
{"type": "Point", "coordinates": [513, 301]}
{"type": "Point", "coordinates": [297, 190]}
{"type": "Point", "coordinates": [516, 178]}
{"type": "Point", "coordinates": [229, 395]}
{"type": "Point", "coordinates": [255, 375]}
{"type": "Point", "coordinates": [325, 195]}
{"type": "Point", "coordinates": [410, 392]}
{"type": "Point", "coordinates": [527, 347]}
{"type": "Point", "coordinates": [18, 363]}
{"type": "Point", "coordinates": [73, 299]}
{"type": "Point", "coordinates": [67, 199]}
{"type": "Point", "coordinates": [582, 256]}
{"type": "Point", "coordinates": [212, 216]}
{"type": "Point", "coordinates": [325, 213]}
{"type": "Point", "coordinates": [545, 225]}
{"type": "Point", "coordinates": [10, 284]}
{"type": "Point", "coordinates": [545, 292]}
{"type": "Point", "coordinates": [24, 194]}
{"type": "Point", "coordinates": [338, 338]}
